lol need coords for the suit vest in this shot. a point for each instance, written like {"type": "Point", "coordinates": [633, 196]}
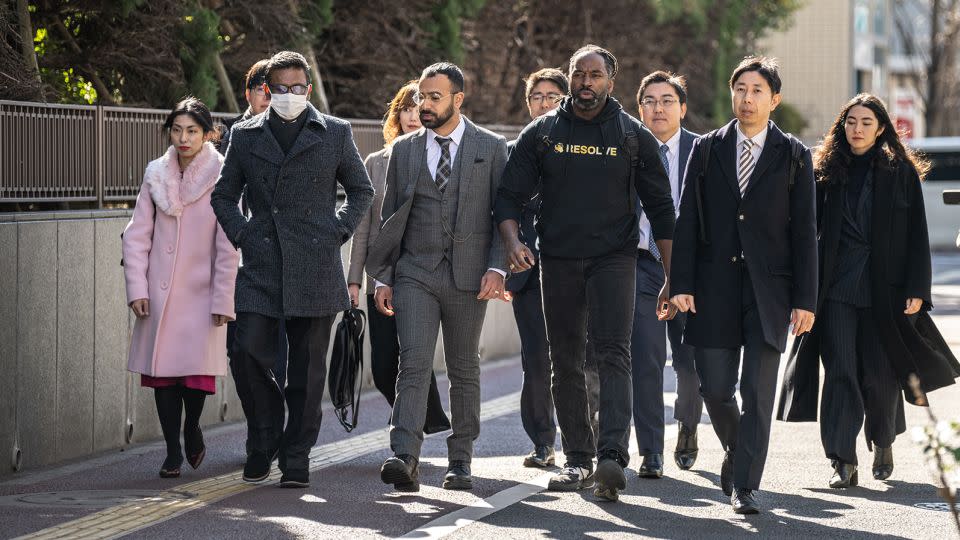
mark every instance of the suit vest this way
{"type": "Point", "coordinates": [433, 217]}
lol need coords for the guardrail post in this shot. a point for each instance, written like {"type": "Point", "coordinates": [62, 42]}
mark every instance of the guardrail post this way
{"type": "Point", "coordinates": [98, 145]}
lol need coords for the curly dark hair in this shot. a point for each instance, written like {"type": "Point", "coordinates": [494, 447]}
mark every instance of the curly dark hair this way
{"type": "Point", "coordinates": [833, 155]}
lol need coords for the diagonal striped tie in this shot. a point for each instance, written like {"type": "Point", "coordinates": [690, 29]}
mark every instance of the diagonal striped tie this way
{"type": "Point", "coordinates": [444, 168]}
{"type": "Point", "coordinates": [746, 165]}
{"type": "Point", "coordinates": [665, 159]}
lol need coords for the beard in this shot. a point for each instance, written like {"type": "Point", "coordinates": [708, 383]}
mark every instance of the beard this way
{"type": "Point", "coordinates": [438, 119]}
{"type": "Point", "coordinates": [588, 103]}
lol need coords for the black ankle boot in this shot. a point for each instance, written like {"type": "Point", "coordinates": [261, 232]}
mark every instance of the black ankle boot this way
{"type": "Point", "coordinates": [882, 462]}
{"type": "Point", "coordinates": [844, 475]}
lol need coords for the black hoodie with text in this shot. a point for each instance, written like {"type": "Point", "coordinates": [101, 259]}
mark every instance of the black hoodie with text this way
{"type": "Point", "coordinates": [587, 208]}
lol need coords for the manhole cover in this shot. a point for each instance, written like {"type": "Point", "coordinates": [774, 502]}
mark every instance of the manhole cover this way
{"type": "Point", "coordinates": [92, 498]}
{"type": "Point", "coordinates": [935, 506]}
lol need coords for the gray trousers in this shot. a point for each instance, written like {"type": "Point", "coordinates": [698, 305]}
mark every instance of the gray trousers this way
{"type": "Point", "coordinates": [424, 302]}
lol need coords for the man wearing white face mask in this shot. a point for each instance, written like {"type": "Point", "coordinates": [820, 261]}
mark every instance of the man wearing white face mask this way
{"type": "Point", "coordinates": [287, 163]}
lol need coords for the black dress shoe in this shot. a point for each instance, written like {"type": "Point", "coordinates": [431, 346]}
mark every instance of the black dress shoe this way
{"type": "Point", "coordinates": [744, 501]}
{"type": "Point", "coordinates": [686, 453]}
{"type": "Point", "coordinates": [844, 475]}
{"type": "Point", "coordinates": [295, 479]}
{"type": "Point", "coordinates": [652, 466]}
{"type": "Point", "coordinates": [403, 471]}
{"type": "Point", "coordinates": [458, 476]}
{"type": "Point", "coordinates": [542, 456]}
{"type": "Point", "coordinates": [882, 462]}
{"type": "Point", "coordinates": [257, 468]}
{"type": "Point", "coordinates": [726, 474]}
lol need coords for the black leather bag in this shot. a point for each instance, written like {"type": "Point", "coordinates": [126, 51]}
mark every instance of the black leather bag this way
{"type": "Point", "coordinates": [346, 367]}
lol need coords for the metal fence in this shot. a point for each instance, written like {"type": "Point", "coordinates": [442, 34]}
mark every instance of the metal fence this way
{"type": "Point", "coordinates": [94, 154]}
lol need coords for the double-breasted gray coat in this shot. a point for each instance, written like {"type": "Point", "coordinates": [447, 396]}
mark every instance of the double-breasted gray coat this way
{"type": "Point", "coordinates": [291, 244]}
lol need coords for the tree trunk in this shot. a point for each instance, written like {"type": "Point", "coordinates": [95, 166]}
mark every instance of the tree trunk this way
{"type": "Point", "coordinates": [319, 96]}
{"type": "Point", "coordinates": [225, 87]}
{"type": "Point", "coordinates": [26, 43]}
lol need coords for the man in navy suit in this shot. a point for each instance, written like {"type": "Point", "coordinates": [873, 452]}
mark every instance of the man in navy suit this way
{"type": "Point", "coordinates": [745, 267]}
{"type": "Point", "coordinates": [662, 100]}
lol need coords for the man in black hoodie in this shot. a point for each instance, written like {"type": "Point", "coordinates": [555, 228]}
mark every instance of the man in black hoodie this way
{"type": "Point", "coordinates": [591, 165]}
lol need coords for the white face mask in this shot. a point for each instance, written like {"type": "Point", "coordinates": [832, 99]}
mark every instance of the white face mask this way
{"type": "Point", "coordinates": [289, 105]}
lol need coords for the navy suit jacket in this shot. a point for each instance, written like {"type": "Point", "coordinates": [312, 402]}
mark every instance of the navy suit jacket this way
{"type": "Point", "coordinates": [650, 276]}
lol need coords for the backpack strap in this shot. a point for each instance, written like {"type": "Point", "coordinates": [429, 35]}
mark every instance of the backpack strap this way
{"type": "Point", "coordinates": [630, 142]}
{"type": "Point", "coordinates": [796, 161]}
{"type": "Point", "coordinates": [706, 144]}
{"type": "Point", "coordinates": [544, 136]}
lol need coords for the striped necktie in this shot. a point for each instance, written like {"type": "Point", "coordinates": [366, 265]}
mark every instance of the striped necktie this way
{"type": "Point", "coordinates": [665, 159]}
{"type": "Point", "coordinates": [746, 165]}
{"type": "Point", "coordinates": [444, 169]}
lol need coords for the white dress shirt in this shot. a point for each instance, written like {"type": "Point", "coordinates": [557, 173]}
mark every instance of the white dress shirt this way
{"type": "Point", "coordinates": [758, 141]}
{"type": "Point", "coordinates": [673, 160]}
{"type": "Point", "coordinates": [433, 147]}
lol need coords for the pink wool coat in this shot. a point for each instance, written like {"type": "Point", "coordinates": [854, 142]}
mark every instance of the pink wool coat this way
{"type": "Point", "coordinates": [176, 255]}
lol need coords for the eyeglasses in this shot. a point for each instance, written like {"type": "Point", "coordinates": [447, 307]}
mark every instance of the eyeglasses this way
{"type": "Point", "coordinates": [538, 98]}
{"type": "Point", "coordinates": [258, 90]}
{"type": "Point", "coordinates": [296, 89]}
{"type": "Point", "coordinates": [432, 97]}
{"type": "Point", "coordinates": [666, 102]}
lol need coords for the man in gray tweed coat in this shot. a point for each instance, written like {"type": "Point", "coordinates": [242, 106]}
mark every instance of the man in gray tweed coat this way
{"type": "Point", "coordinates": [438, 259]}
{"type": "Point", "coordinates": [288, 162]}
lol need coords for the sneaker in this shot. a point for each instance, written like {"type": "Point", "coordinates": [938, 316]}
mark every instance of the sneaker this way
{"type": "Point", "coordinates": [610, 479]}
{"type": "Point", "coordinates": [295, 479]}
{"type": "Point", "coordinates": [542, 456]}
{"type": "Point", "coordinates": [257, 468]}
{"type": "Point", "coordinates": [571, 478]}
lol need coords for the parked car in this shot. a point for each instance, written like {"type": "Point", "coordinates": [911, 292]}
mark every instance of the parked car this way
{"type": "Point", "coordinates": [941, 188]}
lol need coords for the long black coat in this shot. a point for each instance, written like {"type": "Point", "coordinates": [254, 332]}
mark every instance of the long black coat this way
{"type": "Point", "coordinates": [773, 225]}
{"type": "Point", "coordinates": [900, 269]}
{"type": "Point", "coordinates": [291, 244]}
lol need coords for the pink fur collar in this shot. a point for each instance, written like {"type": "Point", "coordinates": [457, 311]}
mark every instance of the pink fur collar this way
{"type": "Point", "coordinates": [169, 191]}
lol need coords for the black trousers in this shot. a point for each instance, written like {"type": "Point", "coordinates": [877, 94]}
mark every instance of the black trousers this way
{"type": "Point", "coordinates": [744, 432]}
{"type": "Point", "coordinates": [239, 377]}
{"type": "Point", "coordinates": [596, 295]}
{"type": "Point", "coordinates": [536, 400]}
{"type": "Point", "coordinates": [256, 347]}
{"type": "Point", "coordinates": [385, 364]}
{"type": "Point", "coordinates": [859, 384]}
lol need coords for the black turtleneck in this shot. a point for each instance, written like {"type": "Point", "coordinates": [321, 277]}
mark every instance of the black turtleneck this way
{"type": "Point", "coordinates": [857, 174]}
{"type": "Point", "coordinates": [286, 132]}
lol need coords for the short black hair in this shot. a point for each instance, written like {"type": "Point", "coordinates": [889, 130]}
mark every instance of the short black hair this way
{"type": "Point", "coordinates": [445, 68]}
{"type": "Point", "coordinates": [257, 74]}
{"type": "Point", "coordinates": [195, 109]}
{"type": "Point", "coordinates": [286, 60]}
{"type": "Point", "coordinates": [552, 75]}
{"type": "Point", "coordinates": [678, 82]}
{"type": "Point", "coordinates": [766, 67]}
{"type": "Point", "coordinates": [609, 59]}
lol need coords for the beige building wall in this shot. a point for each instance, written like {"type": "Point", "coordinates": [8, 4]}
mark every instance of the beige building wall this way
{"type": "Point", "coordinates": [816, 61]}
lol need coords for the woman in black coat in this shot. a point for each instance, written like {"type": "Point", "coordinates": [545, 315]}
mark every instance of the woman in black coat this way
{"type": "Point", "coordinates": [872, 330]}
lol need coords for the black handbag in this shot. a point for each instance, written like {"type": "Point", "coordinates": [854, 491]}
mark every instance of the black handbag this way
{"type": "Point", "coordinates": [346, 367]}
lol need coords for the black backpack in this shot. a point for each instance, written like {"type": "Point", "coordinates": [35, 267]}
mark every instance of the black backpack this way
{"type": "Point", "coordinates": [629, 141]}
{"type": "Point", "coordinates": [346, 367]}
{"type": "Point", "coordinates": [706, 144]}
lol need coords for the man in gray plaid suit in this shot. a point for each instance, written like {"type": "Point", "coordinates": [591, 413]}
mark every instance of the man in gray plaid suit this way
{"type": "Point", "coordinates": [437, 260]}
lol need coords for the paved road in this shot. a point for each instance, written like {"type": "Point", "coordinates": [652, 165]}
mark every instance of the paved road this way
{"type": "Point", "coordinates": [119, 494]}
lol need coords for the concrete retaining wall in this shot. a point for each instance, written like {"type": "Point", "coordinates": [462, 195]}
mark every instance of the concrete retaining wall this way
{"type": "Point", "coordinates": [64, 332]}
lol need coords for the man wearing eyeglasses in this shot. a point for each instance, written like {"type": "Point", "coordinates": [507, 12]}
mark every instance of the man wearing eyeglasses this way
{"type": "Point", "coordinates": [437, 260]}
{"type": "Point", "coordinates": [662, 100]}
{"type": "Point", "coordinates": [258, 100]}
{"type": "Point", "coordinates": [287, 163]}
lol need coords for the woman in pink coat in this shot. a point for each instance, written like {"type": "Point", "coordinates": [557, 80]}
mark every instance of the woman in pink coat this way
{"type": "Point", "coordinates": [180, 271]}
